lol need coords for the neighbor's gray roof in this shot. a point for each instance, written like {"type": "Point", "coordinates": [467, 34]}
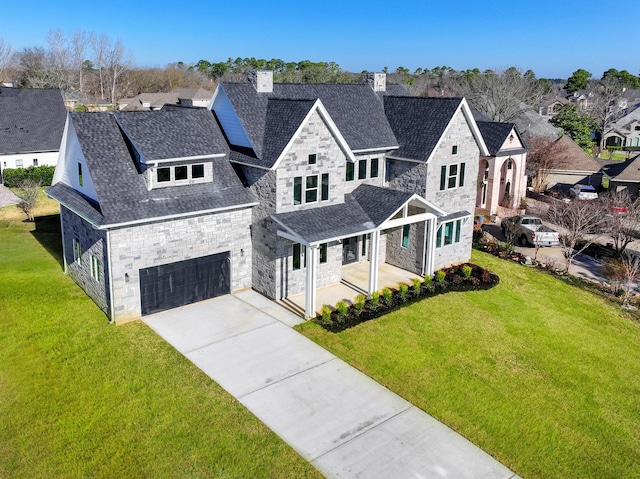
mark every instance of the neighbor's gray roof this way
{"type": "Point", "coordinates": [354, 107]}
{"type": "Point", "coordinates": [121, 189]}
{"type": "Point", "coordinates": [31, 120]}
{"type": "Point", "coordinates": [367, 207]}
{"type": "Point", "coordinates": [496, 133]}
{"type": "Point", "coordinates": [418, 123]}
{"type": "Point", "coordinates": [173, 133]}
{"type": "Point", "coordinates": [626, 171]}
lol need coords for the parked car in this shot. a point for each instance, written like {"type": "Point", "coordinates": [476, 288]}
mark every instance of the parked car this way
{"type": "Point", "coordinates": [583, 192]}
{"type": "Point", "coordinates": [529, 230]}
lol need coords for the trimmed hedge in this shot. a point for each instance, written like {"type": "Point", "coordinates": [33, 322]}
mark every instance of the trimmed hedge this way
{"type": "Point", "coordinates": [450, 279]}
{"type": "Point", "coordinates": [14, 176]}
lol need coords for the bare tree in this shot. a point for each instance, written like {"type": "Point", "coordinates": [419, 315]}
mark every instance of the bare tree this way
{"type": "Point", "coordinates": [99, 45]}
{"type": "Point", "coordinates": [59, 57]}
{"type": "Point", "coordinates": [116, 63]}
{"type": "Point", "coordinates": [28, 192]}
{"type": "Point", "coordinates": [545, 154]}
{"type": "Point", "coordinates": [34, 72]}
{"type": "Point", "coordinates": [80, 42]}
{"type": "Point", "coordinates": [575, 220]}
{"type": "Point", "coordinates": [621, 215]}
{"type": "Point", "coordinates": [6, 56]}
{"type": "Point", "coordinates": [631, 271]}
{"type": "Point", "coordinates": [607, 92]}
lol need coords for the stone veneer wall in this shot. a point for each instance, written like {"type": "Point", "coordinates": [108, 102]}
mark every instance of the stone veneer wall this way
{"type": "Point", "coordinates": [410, 258]}
{"type": "Point", "coordinates": [163, 242]}
{"type": "Point", "coordinates": [93, 243]}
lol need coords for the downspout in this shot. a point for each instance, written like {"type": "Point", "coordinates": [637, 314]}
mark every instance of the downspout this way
{"type": "Point", "coordinates": [424, 249]}
{"type": "Point", "coordinates": [64, 250]}
{"type": "Point", "coordinates": [112, 318]}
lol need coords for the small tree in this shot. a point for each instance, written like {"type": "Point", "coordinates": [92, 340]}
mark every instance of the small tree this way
{"type": "Point", "coordinates": [578, 126]}
{"type": "Point", "coordinates": [631, 270]}
{"type": "Point", "coordinates": [575, 219]}
{"type": "Point", "coordinates": [28, 192]}
{"type": "Point", "coordinates": [622, 219]}
{"type": "Point", "coordinates": [544, 155]}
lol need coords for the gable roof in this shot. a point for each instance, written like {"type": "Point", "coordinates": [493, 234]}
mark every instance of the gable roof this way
{"type": "Point", "coordinates": [571, 157]}
{"type": "Point", "coordinates": [419, 123]}
{"type": "Point", "coordinates": [172, 133]}
{"type": "Point", "coordinates": [495, 134]}
{"type": "Point", "coordinates": [626, 171]}
{"type": "Point", "coordinates": [354, 107]}
{"type": "Point", "coordinates": [31, 120]}
{"type": "Point", "coordinates": [121, 189]}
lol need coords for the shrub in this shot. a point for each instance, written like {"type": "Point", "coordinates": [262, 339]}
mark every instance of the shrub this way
{"type": "Point", "coordinates": [486, 275]}
{"type": "Point", "coordinates": [475, 281]}
{"type": "Point", "coordinates": [466, 271]}
{"type": "Point", "coordinates": [14, 177]}
{"type": "Point", "coordinates": [386, 295]}
{"type": "Point", "coordinates": [375, 299]}
{"type": "Point", "coordinates": [326, 314]}
{"type": "Point", "coordinates": [403, 289]}
{"type": "Point", "coordinates": [457, 279]}
{"type": "Point", "coordinates": [440, 276]}
{"type": "Point", "coordinates": [416, 285]}
{"type": "Point", "coordinates": [342, 308]}
{"type": "Point", "coordinates": [428, 282]}
{"type": "Point", "coordinates": [28, 192]}
{"type": "Point", "coordinates": [359, 301]}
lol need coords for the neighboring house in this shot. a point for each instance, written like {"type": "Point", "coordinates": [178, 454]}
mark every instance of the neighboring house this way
{"type": "Point", "coordinates": [192, 97]}
{"type": "Point", "coordinates": [624, 129]}
{"type": "Point", "coordinates": [551, 107]}
{"type": "Point", "coordinates": [158, 210]}
{"type": "Point", "coordinates": [583, 99]}
{"type": "Point", "coordinates": [31, 126]}
{"type": "Point", "coordinates": [624, 176]}
{"type": "Point", "coordinates": [502, 183]}
{"type": "Point", "coordinates": [573, 165]}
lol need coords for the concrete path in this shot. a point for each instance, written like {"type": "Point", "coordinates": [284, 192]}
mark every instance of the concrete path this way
{"type": "Point", "coordinates": [340, 420]}
{"type": "Point", "coordinates": [7, 198]}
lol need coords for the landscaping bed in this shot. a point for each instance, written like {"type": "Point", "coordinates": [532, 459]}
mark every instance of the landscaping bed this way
{"type": "Point", "coordinates": [466, 277]}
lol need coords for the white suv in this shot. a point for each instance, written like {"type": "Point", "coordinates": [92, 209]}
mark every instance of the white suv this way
{"type": "Point", "coordinates": [583, 192]}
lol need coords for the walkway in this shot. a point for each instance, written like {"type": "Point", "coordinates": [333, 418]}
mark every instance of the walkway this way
{"type": "Point", "coordinates": [337, 418]}
{"type": "Point", "coordinates": [7, 198]}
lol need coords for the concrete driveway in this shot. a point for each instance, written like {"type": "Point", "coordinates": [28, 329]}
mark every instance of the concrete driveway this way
{"type": "Point", "coordinates": [337, 418]}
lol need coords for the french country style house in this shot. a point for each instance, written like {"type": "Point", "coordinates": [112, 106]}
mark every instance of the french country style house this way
{"type": "Point", "coordinates": [276, 187]}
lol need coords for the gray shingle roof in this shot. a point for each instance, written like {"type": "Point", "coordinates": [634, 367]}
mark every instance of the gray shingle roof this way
{"type": "Point", "coordinates": [367, 207]}
{"type": "Point", "coordinates": [418, 123]}
{"type": "Point", "coordinates": [172, 133]}
{"type": "Point", "coordinates": [495, 134]}
{"type": "Point", "coordinates": [121, 189]}
{"type": "Point", "coordinates": [628, 170]}
{"type": "Point", "coordinates": [31, 120]}
{"type": "Point", "coordinates": [355, 108]}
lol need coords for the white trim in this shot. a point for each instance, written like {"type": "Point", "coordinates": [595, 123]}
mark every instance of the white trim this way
{"type": "Point", "coordinates": [176, 216]}
{"type": "Point", "coordinates": [319, 107]}
{"type": "Point", "coordinates": [399, 158]}
{"type": "Point", "coordinates": [291, 236]}
{"type": "Point", "coordinates": [183, 158]}
{"type": "Point", "coordinates": [249, 164]}
{"type": "Point", "coordinates": [407, 220]}
{"type": "Point", "coordinates": [376, 150]}
{"type": "Point", "coordinates": [112, 316]}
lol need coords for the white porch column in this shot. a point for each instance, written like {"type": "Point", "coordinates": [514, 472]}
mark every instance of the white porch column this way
{"type": "Point", "coordinates": [374, 258]}
{"type": "Point", "coordinates": [310, 286]}
{"type": "Point", "coordinates": [430, 244]}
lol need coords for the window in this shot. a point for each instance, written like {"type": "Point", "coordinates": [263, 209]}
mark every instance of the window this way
{"type": "Point", "coordinates": [95, 268]}
{"type": "Point", "coordinates": [313, 159]}
{"type": "Point", "coordinates": [451, 176]}
{"type": "Point", "coordinates": [311, 191]}
{"type": "Point", "coordinates": [364, 246]}
{"type": "Point", "coordinates": [180, 173]}
{"type": "Point", "coordinates": [80, 180]}
{"type": "Point", "coordinates": [448, 233]}
{"type": "Point", "coordinates": [509, 164]}
{"type": "Point", "coordinates": [362, 169]}
{"type": "Point", "coordinates": [35, 162]}
{"type": "Point", "coordinates": [350, 171]}
{"type": "Point", "coordinates": [164, 175]}
{"type": "Point", "coordinates": [323, 253]}
{"type": "Point", "coordinates": [197, 171]}
{"type": "Point", "coordinates": [18, 163]}
{"type": "Point", "coordinates": [297, 190]}
{"type": "Point", "coordinates": [325, 187]}
{"type": "Point", "coordinates": [299, 256]}
{"type": "Point", "coordinates": [77, 251]}
{"type": "Point", "coordinates": [374, 167]}
{"type": "Point", "coordinates": [406, 229]}
{"type": "Point", "coordinates": [454, 150]}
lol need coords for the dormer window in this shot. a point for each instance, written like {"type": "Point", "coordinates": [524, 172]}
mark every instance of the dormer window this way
{"type": "Point", "coordinates": [181, 173]}
{"type": "Point", "coordinates": [80, 180]}
{"type": "Point", "coordinates": [164, 174]}
{"type": "Point", "coordinates": [197, 171]}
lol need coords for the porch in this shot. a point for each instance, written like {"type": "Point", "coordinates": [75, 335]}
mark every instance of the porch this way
{"type": "Point", "coordinates": [355, 281]}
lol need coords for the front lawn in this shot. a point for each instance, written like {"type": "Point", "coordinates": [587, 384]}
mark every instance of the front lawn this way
{"type": "Point", "coordinates": [81, 398]}
{"type": "Point", "coordinates": [543, 376]}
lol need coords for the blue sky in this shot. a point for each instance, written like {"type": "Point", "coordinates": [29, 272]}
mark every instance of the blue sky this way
{"type": "Point", "coordinates": [553, 38]}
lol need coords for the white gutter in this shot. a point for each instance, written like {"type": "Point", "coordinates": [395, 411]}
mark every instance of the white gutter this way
{"type": "Point", "coordinates": [112, 318]}
{"type": "Point", "coordinates": [382, 148]}
{"type": "Point", "coordinates": [186, 158]}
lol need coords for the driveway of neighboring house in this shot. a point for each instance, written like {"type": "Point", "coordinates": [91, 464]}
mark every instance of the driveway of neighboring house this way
{"type": "Point", "coordinates": [7, 198]}
{"type": "Point", "coordinates": [334, 416]}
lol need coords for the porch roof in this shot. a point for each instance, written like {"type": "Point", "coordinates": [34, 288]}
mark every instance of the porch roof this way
{"type": "Point", "coordinates": [366, 209]}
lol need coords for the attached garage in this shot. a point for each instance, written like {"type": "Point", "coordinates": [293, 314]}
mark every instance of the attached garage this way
{"type": "Point", "coordinates": [184, 282]}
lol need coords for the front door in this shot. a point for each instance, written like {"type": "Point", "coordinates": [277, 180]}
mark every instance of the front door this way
{"type": "Point", "coordinates": [350, 250]}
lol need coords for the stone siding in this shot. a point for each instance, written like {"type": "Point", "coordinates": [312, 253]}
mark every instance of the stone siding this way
{"type": "Point", "coordinates": [407, 176]}
{"type": "Point", "coordinates": [410, 258]}
{"type": "Point", "coordinates": [152, 244]}
{"type": "Point", "coordinates": [93, 243]}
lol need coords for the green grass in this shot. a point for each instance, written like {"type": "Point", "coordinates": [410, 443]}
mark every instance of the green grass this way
{"type": "Point", "coordinates": [81, 398]}
{"type": "Point", "coordinates": [540, 374]}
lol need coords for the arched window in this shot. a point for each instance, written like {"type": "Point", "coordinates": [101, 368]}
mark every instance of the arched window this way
{"type": "Point", "coordinates": [509, 164]}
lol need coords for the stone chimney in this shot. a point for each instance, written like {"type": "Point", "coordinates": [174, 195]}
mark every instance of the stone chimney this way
{"type": "Point", "coordinates": [262, 80]}
{"type": "Point", "coordinates": [378, 81]}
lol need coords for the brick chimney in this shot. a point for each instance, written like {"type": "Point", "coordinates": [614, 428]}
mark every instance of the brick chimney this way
{"type": "Point", "coordinates": [262, 80]}
{"type": "Point", "coordinates": [378, 81]}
